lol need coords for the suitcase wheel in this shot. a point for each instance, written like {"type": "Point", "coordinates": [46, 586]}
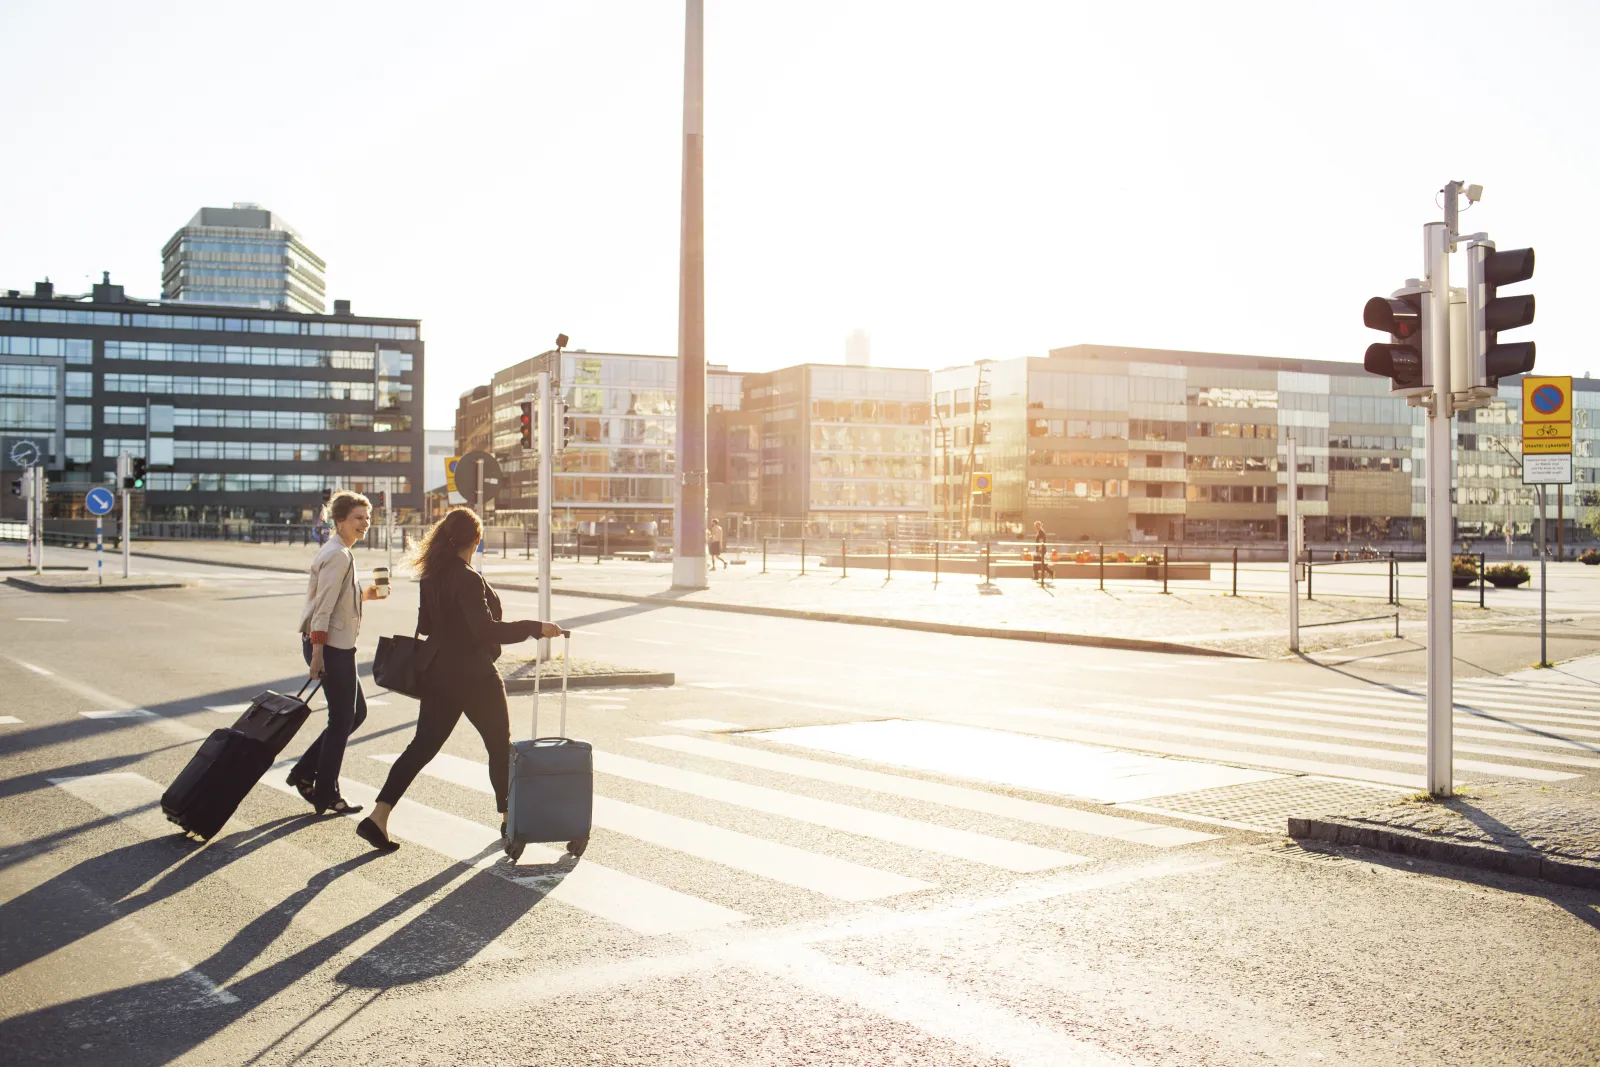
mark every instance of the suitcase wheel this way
{"type": "Point", "coordinates": [578, 844]}
{"type": "Point", "coordinates": [514, 848]}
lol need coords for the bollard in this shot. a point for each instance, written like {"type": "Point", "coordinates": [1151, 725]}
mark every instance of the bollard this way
{"type": "Point", "coordinates": [936, 563]}
{"type": "Point", "coordinates": [504, 536]}
{"type": "Point", "coordinates": [844, 557]}
{"type": "Point", "coordinates": [1308, 575]}
{"type": "Point", "coordinates": [1102, 567]}
{"type": "Point", "coordinates": [1165, 551]}
{"type": "Point", "coordinates": [1235, 570]}
{"type": "Point", "coordinates": [802, 555]}
{"type": "Point", "coordinates": [764, 555]}
{"type": "Point", "coordinates": [986, 546]}
{"type": "Point", "coordinates": [888, 563]}
{"type": "Point", "coordinates": [1482, 561]}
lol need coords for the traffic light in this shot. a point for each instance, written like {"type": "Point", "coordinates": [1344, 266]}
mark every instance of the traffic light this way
{"type": "Point", "coordinates": [380, 499]}
{"type": "Point", "coordinates": [327, 496]}
{"type": "Point", "coordinates": [564, 422]}
{"type": "Point", "coordinates": [16, 487]}
{"type": "Point", "coordinates": [527, 423]}
{"type": "Point", "coordinates": [1487, 270]}
{"type": "Point", "coordinates": [1402, 360]}
{"type": "Point", "coordinates": [135, 480]}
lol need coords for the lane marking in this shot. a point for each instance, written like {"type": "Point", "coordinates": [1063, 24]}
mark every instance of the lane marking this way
{"type": "Point", "coordinates": [125, 713]}
{"type": "Point", "coordinates": [1397, 718]}
{"type": "Point", "coordinates": [950, 796]}
{"type": "Point", "coordinates": [1300, 744]}
{"type": "Point", "coordinates": [634, 903]}
{"type": "Point", "coordinates": [37, 618]}
{"type": "Point", "coordinates": [1289, 722]}
{"type": "Point", "coordinates": [709, 726]}
{"type": "Point", "coordinates": [827, 875]}
{"type": "Point", "coordinates": [9, 720]}
{"type": "Point", "coordinates": [34, 669]}
{"type": "Point", "coordinates": [911, 833]}
{"type": "Point", "coordinates": [1417, 700]}
{"type": "Point", "coordinates": [1411, 711]}
{"type": "Point", "coordinates": [717, 685]}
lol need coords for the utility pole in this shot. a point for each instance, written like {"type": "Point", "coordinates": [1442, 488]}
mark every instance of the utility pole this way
{"type": "Point", "coordinates": [1438, 239]}
{"type": "Point", "coordinates": [1293, 511]}
{"type": "Point", "coordinates": [689, 517]}
{"type": "Point", "coordinates": [546, 489]}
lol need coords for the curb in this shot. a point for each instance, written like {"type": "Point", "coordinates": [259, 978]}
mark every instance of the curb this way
{"type": "Point", "coordinates": [218, 563]}
{"type": "Point", "coordinates": [128, 587]}
{"type": "Point", "coordinates": [1524, 862]}
{"type": "Point", "coordinates": [597, 681]}
{"type": "Point", "coordinates": [1126, 644]}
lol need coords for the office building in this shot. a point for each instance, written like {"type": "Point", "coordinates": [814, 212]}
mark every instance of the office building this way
{"type": "Point", "coordinates": [243, 256]}
{"type": "Point", "coordinates": [1121, 444]}
{"type": "Point", "coordinates": [619, 463]}
{"type": "Point", "coordinates": [242, 414]}
{"type": "Point", "coordinates": [843, 449]}
{"type": "Point", "coordinates": [474, 410]}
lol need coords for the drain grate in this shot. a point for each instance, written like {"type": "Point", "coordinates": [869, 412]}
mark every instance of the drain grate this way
{"type": "Point", "coordinates": [1269, 804]}
{"type": "Point", "coordinates": [1292, 851]}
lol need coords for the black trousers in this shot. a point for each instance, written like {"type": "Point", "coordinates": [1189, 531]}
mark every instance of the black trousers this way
{"type": "Point", "coordinates": [480, 695]}
{"type": "Point", "coordinates": [347, 709]}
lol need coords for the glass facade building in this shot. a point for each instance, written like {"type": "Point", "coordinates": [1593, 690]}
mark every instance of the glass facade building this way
{"type": "Point", "coordinates": [1120, 444]}
{"type": "Point", "coordinates": [244, 256]}
{"type": "Point", "coordinates": [240, 414]}
{"type": "Point", "coordinates": [620, 458]}
{"type": "Point", "coordinates": [846, 449]}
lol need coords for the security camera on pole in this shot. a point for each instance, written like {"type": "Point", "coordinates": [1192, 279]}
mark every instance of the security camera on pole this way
{"type": "Point", "coordinates": [1444, 355]}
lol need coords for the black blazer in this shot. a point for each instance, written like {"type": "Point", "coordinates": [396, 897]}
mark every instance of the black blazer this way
{"type": "Point", "coordinates": [460, 613]}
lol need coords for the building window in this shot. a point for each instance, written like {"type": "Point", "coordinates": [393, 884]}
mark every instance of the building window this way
{"type": "Point", "coordinates": [80, 449]}
{"type": "Point", "coordinates": [80, 416]}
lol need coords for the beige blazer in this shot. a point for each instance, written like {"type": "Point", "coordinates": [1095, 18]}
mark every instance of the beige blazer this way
{"type": "Point", "coordinates": [333, 596]}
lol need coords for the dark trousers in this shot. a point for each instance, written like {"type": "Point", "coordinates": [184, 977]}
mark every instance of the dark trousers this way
{"type": "Point", "coordinates": [347, 709]}
{"type": "Point", "coordinates": [478, 694]}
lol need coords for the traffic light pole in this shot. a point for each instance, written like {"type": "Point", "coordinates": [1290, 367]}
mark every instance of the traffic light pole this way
{"type": "Point", "coordinates": [1293, 511]}
{"type": "Point", "coordinates": [546, 490]}
{"type": "Point", "coordinates": [1437, 239]}
{"type": "Point", "coordinates": [38, 513]}
{"type": "Point", "coordinates": [689, 514]}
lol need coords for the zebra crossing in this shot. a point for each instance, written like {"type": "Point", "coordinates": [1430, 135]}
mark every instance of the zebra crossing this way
{"type": "Point", "coordinates": [1529, 730]}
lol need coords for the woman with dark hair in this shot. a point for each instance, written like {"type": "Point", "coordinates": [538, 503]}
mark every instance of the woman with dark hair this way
{"type": "Point", "coordinates": [460, 613]}
{"type": "Point", "coordinates": [330, 622]}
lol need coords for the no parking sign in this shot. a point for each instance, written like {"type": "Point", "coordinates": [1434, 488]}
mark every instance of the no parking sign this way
{"type": "Point", "coordinates": [1547, 430]}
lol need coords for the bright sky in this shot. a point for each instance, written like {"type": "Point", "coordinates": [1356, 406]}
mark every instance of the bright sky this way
{"type": "Point", "coordinates": [961, 180]}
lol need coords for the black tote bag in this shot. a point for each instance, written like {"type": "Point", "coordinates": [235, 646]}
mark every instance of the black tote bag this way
{"type": "Point", "coordinates": [400, 662]}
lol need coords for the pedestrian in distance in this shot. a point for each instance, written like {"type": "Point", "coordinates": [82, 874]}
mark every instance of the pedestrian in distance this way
{"type": "Point", "coordinates": [1041, 565]}
{"type": "Point", "coordinates": [461, 615]}
{"type": "Point", "coordinates": [330, 622]}
{"type": "Point", "coordinates": [714, 544]}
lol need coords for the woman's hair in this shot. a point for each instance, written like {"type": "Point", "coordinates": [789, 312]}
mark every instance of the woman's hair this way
{"type": "Point", "coordinates": [343, 503]}
{"type": "Point", "coordinates": [458, 529]}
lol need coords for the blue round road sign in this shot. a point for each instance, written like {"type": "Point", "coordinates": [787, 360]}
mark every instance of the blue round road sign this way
{"type": "Point", "coordinates": [1547, 399]}
{"type": "Point", "coordinates": [99, 501]}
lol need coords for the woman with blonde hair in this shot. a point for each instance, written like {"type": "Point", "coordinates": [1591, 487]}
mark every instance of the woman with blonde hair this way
{"type": "Point", "coordinates": [460, 612]}
{"type": "Point", "coordinates": [330, 622]}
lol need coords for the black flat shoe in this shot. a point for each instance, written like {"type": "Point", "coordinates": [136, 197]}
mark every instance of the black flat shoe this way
{"type": "Point", "coordinates": [368, 831]}
{"type": "Point", "coordinates": [304, 788]}
{"type": "Point", "coordinates": [340, 806]}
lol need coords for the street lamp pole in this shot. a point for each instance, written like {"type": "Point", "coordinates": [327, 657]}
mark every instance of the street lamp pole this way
{"type": "Point", "coordinates": [689, 519]}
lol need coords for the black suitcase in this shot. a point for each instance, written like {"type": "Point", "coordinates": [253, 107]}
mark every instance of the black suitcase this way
{"type": "Point", "coordinates": [274, 719]}
{"type": "Point", "coordinates": [230, 762]}
{"type": "Point", "coordinates": [552, 782]}
{"type": "Point", "coordinates": [209, 789]}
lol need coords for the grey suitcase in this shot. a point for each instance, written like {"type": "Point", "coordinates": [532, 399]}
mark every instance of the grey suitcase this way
{"type": "Point", "coordinates": [552, 781]}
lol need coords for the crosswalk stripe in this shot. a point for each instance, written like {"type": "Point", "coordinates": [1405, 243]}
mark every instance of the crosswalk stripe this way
{"type": "Point", "coordinates": [1289, 721]}
{"type": "Point", "coordinates": [9, 720]}
{"type": "Point", "coordinates": [950, 796]}
{"type": "Point", "coordinates": [1273, 709]}
{"type": "Point", "coordinates": [1388, 717]}
{"type": "Point", "coordinates": [1303, 744]}
{"type": "Point", "coordinates": [639, 905]}
{"type": "Point", "coordinates": [1531, 699]}
{"type": "Point", "coordinates": [1414, 699]}
{"type": "Point", "coordinates": [828, 875]}
{"type": "Point", "coordinates": [1591, 692]}
{"type": "Point", "coordinates": [228, 709]}
{"type": "Point", "coordinates": [927, 837]}
{"type": "Point", "coordinates": [282, 867]}
{"type": "Point", "coordinates": [123, 713]}
{"type": "Point", "coordinates": [709, 726]}
{"type": "Point", "coordinates": [1234, 756]}
{"type": "Point", "coordinates": [1414, 710]}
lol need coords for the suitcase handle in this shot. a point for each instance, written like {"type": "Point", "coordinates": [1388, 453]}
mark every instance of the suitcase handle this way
{"type": "Point", "coordinates": [302, 695]}
{"type": "Point", "coordinates": [538, 674]}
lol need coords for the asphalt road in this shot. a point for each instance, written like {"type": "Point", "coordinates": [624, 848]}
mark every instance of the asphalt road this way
{"type": "Point", "coordinates": [827, 844]}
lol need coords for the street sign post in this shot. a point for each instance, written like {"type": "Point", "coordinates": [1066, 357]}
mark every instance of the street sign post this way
{"type": "Point", "coordinates": [481, 470]}
{"type": "Point", "coordinates": [1546, 458]}
{"type": "Point", "coordinates": [99, 501]}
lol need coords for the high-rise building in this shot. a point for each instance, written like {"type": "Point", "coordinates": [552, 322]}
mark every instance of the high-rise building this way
{"type": "Point", "coordinates": [242, 414]}
{"type": "Point", "coordinates": [244, 256]}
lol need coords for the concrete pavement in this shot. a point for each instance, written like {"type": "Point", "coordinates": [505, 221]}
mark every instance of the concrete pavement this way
{"type": "Point", "coordinates": [827, 845]}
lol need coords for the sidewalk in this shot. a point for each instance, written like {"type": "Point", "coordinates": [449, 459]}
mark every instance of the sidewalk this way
{"type": "Point", "coordinates": [1193, 616]}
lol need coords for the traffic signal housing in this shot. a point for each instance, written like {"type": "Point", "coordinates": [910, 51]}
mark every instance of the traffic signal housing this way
{"type": "Point", "coordinates": [526, 424]}
{"type": "Point", "coordinates": [1487, 270]}
{"type": "Point", "coordinates": [134, 479]}
{"type": "Point", "coordinates": [1402, 359]}
{"type": "Point", "coordinates": [16, 487]}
